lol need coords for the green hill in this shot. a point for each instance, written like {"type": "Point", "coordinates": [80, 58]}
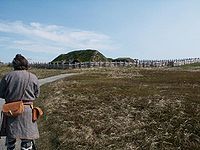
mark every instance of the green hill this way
{"type": "Point", "coordinates": [123, 59]}
{"type": "Point", "coordinates": [80, 56]}
{"type": "Point", "coordinates": [191, 65]}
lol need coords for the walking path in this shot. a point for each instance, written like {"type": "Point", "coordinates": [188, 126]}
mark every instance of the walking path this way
{"type": "Point", "coordinates": [54, 78]}
{"type": "Point", "coordinates": [42, 82]}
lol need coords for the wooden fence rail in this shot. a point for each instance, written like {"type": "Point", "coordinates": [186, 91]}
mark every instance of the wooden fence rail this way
{"type": "Point", "coordinates": [136, 63]}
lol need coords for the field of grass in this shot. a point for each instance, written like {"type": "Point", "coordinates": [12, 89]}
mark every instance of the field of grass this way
{"type": "Point", "coordinates": [122, 109]}
{"type": "Point", "coordinates": [4, 69]}
{"type": "Point", "coordinates": [193, 66]}
{"type": "Point", "coordinates": [40, 73]}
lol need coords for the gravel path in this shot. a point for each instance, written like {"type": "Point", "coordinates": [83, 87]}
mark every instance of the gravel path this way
{"type": "Point", "coordinates": [54, 78]}
{"type": "Point", "coordinates": [42, 81]}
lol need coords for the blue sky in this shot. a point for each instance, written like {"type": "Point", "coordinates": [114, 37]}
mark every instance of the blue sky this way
{"type": "Point", "coordinates": [143, 29]}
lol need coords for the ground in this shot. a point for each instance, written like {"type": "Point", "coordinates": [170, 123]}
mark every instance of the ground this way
{"type": "Point", "coordinates": [122, 109]}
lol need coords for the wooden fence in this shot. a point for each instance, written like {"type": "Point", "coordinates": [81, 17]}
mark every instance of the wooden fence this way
{"type": "Point", "coordinates": [136, 63]}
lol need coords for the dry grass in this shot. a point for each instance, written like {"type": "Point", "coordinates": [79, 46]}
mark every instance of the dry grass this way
{"type": "Point", "coordinates": [41, 73]}
{"type": "Point", "coordinates": [44, 73]}
{"type": "Point", "coordinates": [4, 69]}
{"type": "Point", "coordinates": [122, 109]}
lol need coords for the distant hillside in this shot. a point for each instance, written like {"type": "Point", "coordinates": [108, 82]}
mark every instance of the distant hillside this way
{"type": "Point", "coordinates": [80, 56]}
{"type": "Point", "coordinates": [123, 59]}
{"type": "Point", "coordinates": [193, 65]}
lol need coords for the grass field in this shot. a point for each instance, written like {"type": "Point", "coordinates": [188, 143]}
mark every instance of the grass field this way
{"type": "Point", "coordinates": [41, 73]}
{"type": "Point", "coordinates": [122, 109]}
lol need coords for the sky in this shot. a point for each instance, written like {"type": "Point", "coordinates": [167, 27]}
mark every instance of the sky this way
{"type": "Point", "coordinates": [142, 29]}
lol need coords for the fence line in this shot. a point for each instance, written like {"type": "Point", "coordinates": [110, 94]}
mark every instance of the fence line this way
{"type": "Point", "coordinates": [136, 63]}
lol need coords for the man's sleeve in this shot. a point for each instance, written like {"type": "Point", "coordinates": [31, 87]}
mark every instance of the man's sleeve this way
{"type": "Point", "coordinates": [37, 89]}
{"type": "Point", "coordinates": [2, 88]}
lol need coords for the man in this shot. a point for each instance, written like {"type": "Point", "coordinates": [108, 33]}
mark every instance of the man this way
{"type": "Point", "coordinates": [20, 85]}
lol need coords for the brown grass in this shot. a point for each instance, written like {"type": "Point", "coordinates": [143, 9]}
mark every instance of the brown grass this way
{"type": "Point", "coordinates": [122, 109]}
{"type": "Point", "coordinates": [4, 69]}
{"type": "Point", "coordinates": [40, 73]}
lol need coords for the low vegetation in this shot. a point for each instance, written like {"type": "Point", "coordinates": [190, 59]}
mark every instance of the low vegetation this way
{"type": "Point", "coordinates": [4, 69]}
{"type": "Point", "coordinates": [122, 109]}
{"type": "Point", "coordinates": [41, 73]}
{"type": "Point", "coordinates": [191, 66]}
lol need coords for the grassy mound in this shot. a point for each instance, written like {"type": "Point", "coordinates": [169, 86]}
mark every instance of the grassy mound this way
{"type": "Point", "coordinates": [81, 56]}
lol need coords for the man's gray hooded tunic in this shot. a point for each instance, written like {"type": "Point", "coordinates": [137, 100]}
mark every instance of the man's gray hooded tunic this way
{"type": "Point", "coordinates": [20, 85]}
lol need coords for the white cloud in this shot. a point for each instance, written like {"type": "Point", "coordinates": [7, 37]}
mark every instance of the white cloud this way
{"type": "Point", "coordinates": [37, 37]}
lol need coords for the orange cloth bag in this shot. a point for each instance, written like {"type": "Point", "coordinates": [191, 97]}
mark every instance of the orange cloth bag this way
{"type": "Point", "coordinates": [13, 109]}
{"type": "Point", "coordinates": [37, 112]}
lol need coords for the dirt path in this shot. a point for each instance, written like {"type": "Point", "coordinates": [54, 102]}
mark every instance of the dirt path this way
{"type": "Point", "coordinates": [54, 78]}
{"type": "Point", "coordinates": [42, 82]}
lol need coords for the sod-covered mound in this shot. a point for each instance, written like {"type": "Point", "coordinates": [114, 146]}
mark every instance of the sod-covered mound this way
{"type": "Point", "coordinates": [80, 56]}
